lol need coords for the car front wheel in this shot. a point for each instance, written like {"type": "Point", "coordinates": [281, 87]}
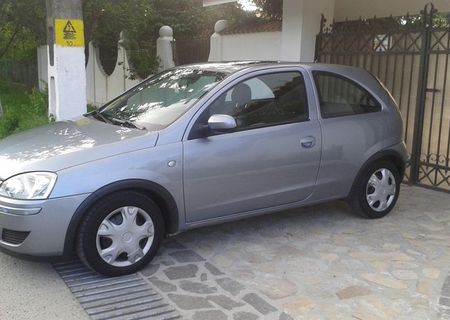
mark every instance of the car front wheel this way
{"type": "Point", "coordinates": [376, 192]}
{"type": "Point", "coordinates": [120, 234]}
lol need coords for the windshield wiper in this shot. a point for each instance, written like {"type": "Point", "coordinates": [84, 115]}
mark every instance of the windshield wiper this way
{"type": "Point", "coordinates": [128, 123]}
{"type": "Point", "coordinates": [97, 115]}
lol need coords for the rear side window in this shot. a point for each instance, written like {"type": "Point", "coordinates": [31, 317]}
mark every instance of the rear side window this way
{"type": "Point", "coordinates": [340, 96]}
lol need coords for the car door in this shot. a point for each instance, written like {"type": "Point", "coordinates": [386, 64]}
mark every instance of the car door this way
{"type": "Point", "coordinates": [272, 157]}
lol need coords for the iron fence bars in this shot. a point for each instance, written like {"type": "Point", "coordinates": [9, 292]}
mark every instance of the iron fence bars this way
{"type": "Point", "coordinates": [410, 55]}
{"type": "Point", "coordinates": [434, 166]}
{"type": "Point", "coordinates": [421, 102]}
{"type": "Point", "coordinates": [188, 51]}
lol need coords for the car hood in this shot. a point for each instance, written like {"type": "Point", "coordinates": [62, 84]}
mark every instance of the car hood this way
{"type": "Point", "coordinates": [68, 143]}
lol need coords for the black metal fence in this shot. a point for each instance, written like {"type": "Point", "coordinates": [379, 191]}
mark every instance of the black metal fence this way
{"type": "Point", "coordinates": [191, 50]}
{"type": "Point", "coordinates": [410, 55]}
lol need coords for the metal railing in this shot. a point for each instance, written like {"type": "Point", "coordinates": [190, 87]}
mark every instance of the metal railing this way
{"type": "Point", "coordinates": [410, 55]}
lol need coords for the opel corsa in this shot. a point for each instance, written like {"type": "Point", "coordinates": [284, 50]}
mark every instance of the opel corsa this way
{"type": "Point", "coordinates": [199, 145]}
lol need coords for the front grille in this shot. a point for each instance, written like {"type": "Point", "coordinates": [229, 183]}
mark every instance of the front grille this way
{"type": "Point", "coordinates": [14, 237]}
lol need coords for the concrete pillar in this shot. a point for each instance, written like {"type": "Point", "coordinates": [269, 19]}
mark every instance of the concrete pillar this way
{"type": "Point", "coordinates": [216, 49]}
{"type": "Point", "coordinates": [42, 63]}
{"type": "Point", "coordinates": [301, 24]}
{"type": "Point", "coordinates": [66, 67]}
{"type": "Point", "coordinates": [313, 11]}
{"type": "Point", "coordinates": [164, 48]}
{"type": "Point", "coordinates": [292, 30]}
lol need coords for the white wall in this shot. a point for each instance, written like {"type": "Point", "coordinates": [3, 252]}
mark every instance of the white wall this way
{"type": "Point", "coordinates": [296, 41]}
{"type": "Point", "coordinates": [100, 87]}
{"type": "Point", "coordinates": [292, 30]}
{"type": "Point", "coordinates": [313, 10]}
{"type": "Point", "coordinates": [353, 9]}
{"type": "Point", "coordinates": [251, 46]}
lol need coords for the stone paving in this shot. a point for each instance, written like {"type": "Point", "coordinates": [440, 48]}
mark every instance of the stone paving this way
{"type": "Point", "coordinates": [444, 301]}
{"type": "Point", "coordinates": [201, 291]}
{"type": "Point", "coordinates": [319, 262]}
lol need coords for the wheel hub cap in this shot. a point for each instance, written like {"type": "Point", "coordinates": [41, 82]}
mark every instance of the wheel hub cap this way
{"type": "Point", "coordinates": [381, 190]}
{"type": "Point", "coordinates": [125, 236]}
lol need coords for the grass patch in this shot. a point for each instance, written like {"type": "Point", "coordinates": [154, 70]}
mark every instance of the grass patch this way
{"type": "Point", "coordinates": [22, 109]}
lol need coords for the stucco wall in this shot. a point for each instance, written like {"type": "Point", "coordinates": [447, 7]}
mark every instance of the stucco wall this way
{"type": "Point", "coordinates": [311, 25]}
{"type": "Point", "coordinates": [251, 46]}
{"type": "Point", "coordinates": [353, 9]}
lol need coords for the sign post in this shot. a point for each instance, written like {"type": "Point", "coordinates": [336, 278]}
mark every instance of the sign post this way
{"type": "Point", "coordinates": [66, 67]}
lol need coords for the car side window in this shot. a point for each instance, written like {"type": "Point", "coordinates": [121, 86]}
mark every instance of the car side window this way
{"type": "Point", "coordinates": [265, 100]}
{"type": "Point", "coordinates": [340, 96]}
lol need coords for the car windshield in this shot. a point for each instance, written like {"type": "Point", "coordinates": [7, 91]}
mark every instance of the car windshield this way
{"type": "Point", "coordinates": [159, 101]}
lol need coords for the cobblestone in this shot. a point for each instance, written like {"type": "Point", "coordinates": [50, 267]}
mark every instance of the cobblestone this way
{"type": "Point", "coordinates": [186, 256]}
{"type": "Point", "coordinates": [258, 303]}
{"type": "Point", "coordinates": [182, 272]}
{"type": "Point", "coordinates": [197, 287]}
{"type": "Point", "coordinates": [209, 315]}
{"type": "Point", "coordinates": [187, 302]}
{"type": "Point", "coordinates": [245, 316]}
{"type": "Point", "coordinates": [230, 285]}
{"type": "Point", "coordinates": [319, 262]}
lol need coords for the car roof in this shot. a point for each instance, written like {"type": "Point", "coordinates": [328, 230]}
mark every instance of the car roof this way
{"type": "Point", "coordinates": [235, 66]}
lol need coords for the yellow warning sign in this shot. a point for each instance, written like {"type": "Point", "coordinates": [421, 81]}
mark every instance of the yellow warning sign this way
{"type": "Point", "coordinates": [69, 32]}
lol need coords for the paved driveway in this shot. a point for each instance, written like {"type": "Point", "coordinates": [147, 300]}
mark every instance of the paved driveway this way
{"type": "Point", "coordinates": [31, 290]}
{"type": "Point", "coordinates": [320, 262]}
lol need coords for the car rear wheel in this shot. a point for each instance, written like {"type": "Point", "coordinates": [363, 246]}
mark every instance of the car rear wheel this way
{"type": "Point", "coordinates": [120, 234]}
{"type": "Point", "coordinates": [376, 192]}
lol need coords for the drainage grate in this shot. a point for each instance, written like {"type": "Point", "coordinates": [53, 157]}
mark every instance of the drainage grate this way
{"type": "Point", "coordinates": [128, 297]}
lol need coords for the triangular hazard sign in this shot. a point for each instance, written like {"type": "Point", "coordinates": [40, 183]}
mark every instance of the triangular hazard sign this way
{"type": "Point", "coordinates": [69, 27]}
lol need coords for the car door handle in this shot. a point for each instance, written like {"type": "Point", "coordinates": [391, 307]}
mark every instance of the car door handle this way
{"type": "Point", "coordinates": [308, 142]}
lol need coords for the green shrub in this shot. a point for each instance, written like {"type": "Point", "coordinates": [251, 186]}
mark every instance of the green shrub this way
{"type": "Point", "coordinates": [21, 110]}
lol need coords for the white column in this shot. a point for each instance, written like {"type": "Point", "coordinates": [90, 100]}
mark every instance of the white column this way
{"type": "Point", "coordinates": [301, 24]}
{"type": "Point", "coordinates": [291, 38]}
{"type": "Point", "coordinates": [216, 45]}
{"type": "Point", "coordinates": [66, 73]}
{"type": "Point", "coordinates": [313, 11]}
{"type": "Point", "coordinates": [164, 49]}
{"type": "Point", "coordinates": [42, 61]}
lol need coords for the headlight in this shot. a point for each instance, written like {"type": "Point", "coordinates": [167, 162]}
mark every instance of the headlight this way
{"type": "Point", "coordinates": [29, 186]}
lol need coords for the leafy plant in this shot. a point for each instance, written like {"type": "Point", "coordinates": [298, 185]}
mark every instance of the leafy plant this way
{"type": "Point", "coordinates": [22, 110]}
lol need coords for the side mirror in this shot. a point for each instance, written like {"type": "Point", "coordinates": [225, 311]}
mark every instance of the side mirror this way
{"type": "Point", "coordinates": [221, 122]}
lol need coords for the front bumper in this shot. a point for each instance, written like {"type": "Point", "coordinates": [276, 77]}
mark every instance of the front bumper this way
{"type": "Point", "coordinates": [36, 228]}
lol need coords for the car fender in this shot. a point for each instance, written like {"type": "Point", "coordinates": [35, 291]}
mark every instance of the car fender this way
{"type": "Point", "coordinates": [161, 196]}
{"type": "Point", "coordinates": [397, 151]}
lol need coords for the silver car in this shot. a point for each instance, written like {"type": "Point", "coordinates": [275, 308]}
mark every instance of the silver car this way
{"type": "Point", "coordinates": [194, 146]}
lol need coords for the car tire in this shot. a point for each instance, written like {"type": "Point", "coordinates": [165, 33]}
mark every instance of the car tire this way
{"type": "Point", "coordinates": [120, 234]}
{"type": "Point", "coordinates": [376, 191]}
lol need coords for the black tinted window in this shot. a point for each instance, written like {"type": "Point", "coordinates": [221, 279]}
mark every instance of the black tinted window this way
{"type": "Point", "coordinates": [265, 100]}
{"type": "Point", "coordinates": [341, 97]}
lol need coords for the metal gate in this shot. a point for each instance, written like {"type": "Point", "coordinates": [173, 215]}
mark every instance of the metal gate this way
{"type": "Point", "coordinates": [188, 51]}
{"type": "Point", "coordinates": [410, 55]}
